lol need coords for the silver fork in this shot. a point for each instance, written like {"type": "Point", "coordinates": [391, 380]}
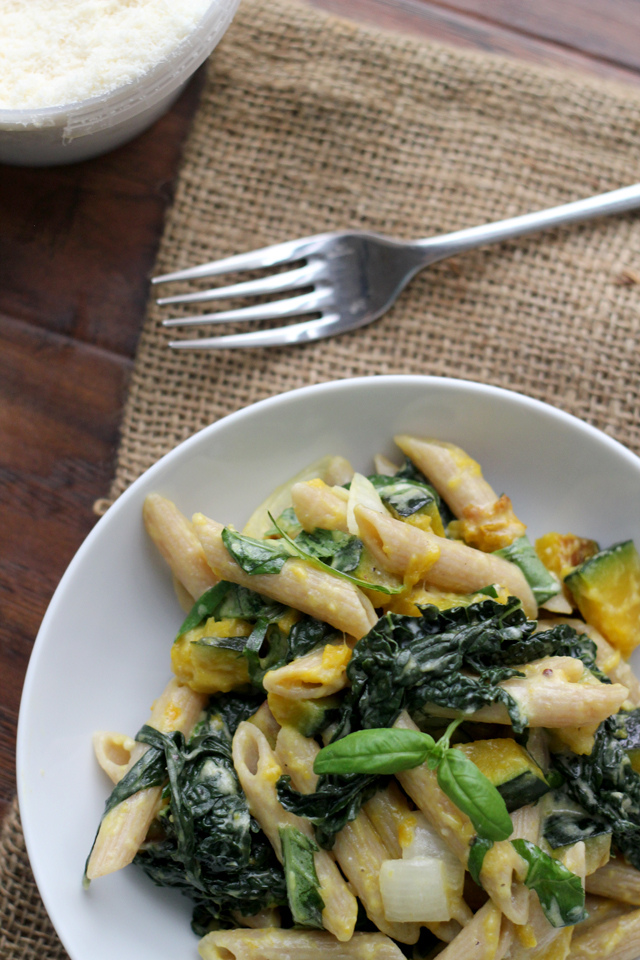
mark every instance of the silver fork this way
{"type": "Point", "coordinates": [355, 277]}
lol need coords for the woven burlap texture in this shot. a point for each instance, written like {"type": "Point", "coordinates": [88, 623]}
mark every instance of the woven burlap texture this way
{"type": "Point", "coordinates": [310, 123]}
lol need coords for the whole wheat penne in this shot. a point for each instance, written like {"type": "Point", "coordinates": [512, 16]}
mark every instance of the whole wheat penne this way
{"type": "Point", "coordinates": [269, 917]}
{"type": "Point", "coordinates": [486, 937]}
{"type": "Point", "coordinates": [486, 520]}
{"type": "Point", "coordinates": [617, 938]}
{"type": "Point", "coordinates": [295, 945]}
{"type": "Point", "coordinates": [608, 658]}
{"type": "Point", "coordinates": [258, 771]}
{"type": "Point", "coordinates": [124, 828]}
{"type": "Point", "coordinates": [503, 869]}
{"type": "Point", "coordinates": [398, 547]}
{"type": "Point", "coordinates": [174, 537]}
{"type": "Point", "coordinates": [598, 910]}
{"type": "Point", "coordinates": [318, 505]}
{"type": "Point", "coordinates": [317, 674]}
{"type": "Point", "coordinates": [552, 693]}
{"type": "Point", "coordinates": [113, 751]}
{"type": "Point", "coordinates": [299, 584]}
{"type": "Point", "coordinates": [358, 849]}
{"type": "Point", "coordinates": [617, 880]}
{"type": "Point", "coordinates": [390, 814]}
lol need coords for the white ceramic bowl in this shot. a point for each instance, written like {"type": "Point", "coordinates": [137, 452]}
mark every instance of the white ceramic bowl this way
{"type": "Point", "coordinates": [76, 131]}
{"type": "Point", "coordinates": [102, 654]}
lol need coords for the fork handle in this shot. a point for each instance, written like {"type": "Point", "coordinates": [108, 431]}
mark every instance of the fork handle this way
{"type": "Point", "coordinates": [449, 244]}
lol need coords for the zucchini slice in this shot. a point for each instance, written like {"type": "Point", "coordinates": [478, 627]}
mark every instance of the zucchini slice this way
{"type": "Point", "coordinates": [606, 589]}
{"type": "Point", "coordinates": [508, 766]}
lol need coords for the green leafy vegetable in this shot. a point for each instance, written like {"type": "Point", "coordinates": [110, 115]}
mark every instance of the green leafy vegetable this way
{"type": "Point", "coordinates": [560, 891]}
{"type": "Point", "coordinates": [405, 496]}
{"type": "Point", "coordinates": [299, 551]}
{"type": "Point", "coordinates": [307, 634]}
{"type": "Point", "coordinates": [605, 784]}
{"type": "Point", "coordinates": [230, 601]}
{"type": "Point", "coordinates": [390, 750]}
{"type": "Point", "coordinates": [341, 551]}
{"type": "Point", "coordinates": [336, 802]}
{"type": "Point", "coordinates": [521, 552]}
{"type": "Point", "coordinates": [303, 887]}
{"type": "Point", "coordinates": [384, 750]}
{"type": "Point", "coordinates": [475, 795]}
{"type": "Point", "coordinates": [478, 850]}
{"type": "Point", "coordinates": [286, 521]}
{"type": "Point", "coordinates": [256, 557]}
{"type": "Point", "coordinates": [205, 841]}
{"type": "Point", "coordinates": [451, 658]}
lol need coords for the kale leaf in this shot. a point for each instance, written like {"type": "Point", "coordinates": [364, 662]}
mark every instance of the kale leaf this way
{"type": "Point", "coordinates": [336, 802]}
{"type": "Point", "coordinates": [205, 841]}
{"type": "Point", "coordinates": [405, 662]}
{"type": "Point", "coordinates": [605, 784]}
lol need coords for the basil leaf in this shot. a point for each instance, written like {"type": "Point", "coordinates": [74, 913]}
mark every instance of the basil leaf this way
{"type": "Point", "coordinates": [379, 751]}
{"type": "Point", "coordinates": [255, 557]}
{"type": "Point", "coordinates": [475, 795]}
{"type": "Point", "coordinates": [479, 849]}
{"type": "Point", "coordinates": [560, 891]}
{"type": "Point", "coordinates": [303, 888]}
{"type": "Point", "coordinates": [305, 555]}
{"type": "Point", "coordinates": [204, 607]}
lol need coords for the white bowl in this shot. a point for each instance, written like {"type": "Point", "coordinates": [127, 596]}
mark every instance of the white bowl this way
{"type": "Point", "coordinates": [76, 131]}
{"type": "Point", "coordinates": [102, 653]}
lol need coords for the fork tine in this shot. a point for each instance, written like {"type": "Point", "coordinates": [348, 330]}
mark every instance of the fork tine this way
{"type": "Point", "coordinates": [281, 337]}
{"type": "Point", "coordinates": [307, 303]}
{"type": "Point", "coordinates": [254, 260]}
{"type": "Point", "coordinates": [275, 283]}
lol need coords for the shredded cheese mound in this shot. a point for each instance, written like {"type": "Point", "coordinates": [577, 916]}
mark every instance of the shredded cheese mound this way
{"type": "Point", "coordinates": [56, 52]}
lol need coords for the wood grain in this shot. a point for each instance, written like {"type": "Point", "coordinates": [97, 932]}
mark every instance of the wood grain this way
{"type": "Point", "coordinates": [60, 403]}
{"type": "Point", "coordinates": [77, 245]}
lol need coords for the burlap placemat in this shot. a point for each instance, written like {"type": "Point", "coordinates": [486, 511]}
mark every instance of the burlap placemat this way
{"type": "Point", "coordinates": [309, 123]}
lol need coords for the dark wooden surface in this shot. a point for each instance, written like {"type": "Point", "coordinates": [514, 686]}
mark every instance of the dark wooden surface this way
{"type": "Point", "coordinates": [77, 245]}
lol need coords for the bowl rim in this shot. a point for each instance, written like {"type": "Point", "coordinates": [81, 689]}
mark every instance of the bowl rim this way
{"type": "Point", "coordinates": [389, 381]}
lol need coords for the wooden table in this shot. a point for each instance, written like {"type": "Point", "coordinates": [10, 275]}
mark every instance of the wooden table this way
{"type": "Point", "coordinates": [77, 245]}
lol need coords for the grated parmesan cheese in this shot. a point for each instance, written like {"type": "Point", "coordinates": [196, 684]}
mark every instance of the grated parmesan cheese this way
{"type": "Point", "coordinates": [56, 52]}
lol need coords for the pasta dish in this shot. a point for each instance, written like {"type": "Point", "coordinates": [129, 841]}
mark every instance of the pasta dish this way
{"type": "Point", "coordinates": [395, 728]}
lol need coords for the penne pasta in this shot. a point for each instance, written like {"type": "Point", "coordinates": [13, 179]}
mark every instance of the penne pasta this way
{"type": "Point", "coordinates": [441, 563]}
{"type": "Point", "coordinates": [616, 880]}
{"type": "Point", "coordinates": [358, 849]}
{"type": "Point", "coordinates": [503, 869]}
{"type": "Point", "coordinates": [318, 505]}
{"type": "Point", "coordinates": [552, 691]}
{"type": "Point", "coordinates": [114, 752]}
{"type": "Point", "coordinates": [617, 938]}
{"type": "Point", "coordinates": [317, 674]}
{"type": "Point", "coordinates": [176, 541]}
{"type": "Point", "coordinates": [124, 828]}
{"type": "Point", "coordinates": [295, 945]}
{"type": "Point", "coordinates": [486, 520]}
{"type": "Point", "coordinates": [608, 658]}
{"type": "Point", "coordinates": [298, 584]}
{"type": "Point", "coordinates": [486, 937]}
{"type": "Point", "coordinates": [258, 770]}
